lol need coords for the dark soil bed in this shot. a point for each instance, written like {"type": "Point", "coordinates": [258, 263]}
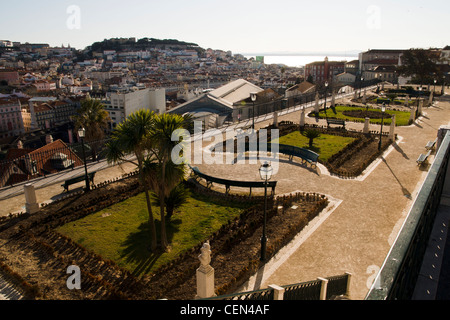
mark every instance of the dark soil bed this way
{"type": "Point", "coordinates": [35, 257]}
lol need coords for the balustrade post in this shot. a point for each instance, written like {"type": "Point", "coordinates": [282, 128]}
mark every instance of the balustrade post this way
{"type": "Point", "coordinates": [349, 277]}
{"type": "Point", "coordinates": [31, 204]}
{"type": "Point", "coordinates": [323, 288]}
{"type": "Point", "coordinates": [278, 292]}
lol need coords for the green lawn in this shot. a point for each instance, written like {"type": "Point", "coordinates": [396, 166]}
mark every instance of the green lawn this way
{"type": "Point", "coordinates": [326, 145]}
{"type": "Point", "coordinates": [401, 117]}
{"type": "Point", "coordinates": [121, 232]}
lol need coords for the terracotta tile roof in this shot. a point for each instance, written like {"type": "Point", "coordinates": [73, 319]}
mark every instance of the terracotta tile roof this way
{"type": "Point", "coordinates": [14, 168]}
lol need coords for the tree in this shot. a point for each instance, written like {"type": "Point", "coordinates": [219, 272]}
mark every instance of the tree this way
{"type": "Point", "coordinates": [419, 63]}
{"type": "Point", "coordinates": [131, 138]}
{"type": "Point", "coordinates": [93, 117]}
{"type": "Point", "coordinates": [176, 198]}
{"type": "Point", "coordinates": [311, 134]}
{"type": "Point", "coordinates": [160, 139]}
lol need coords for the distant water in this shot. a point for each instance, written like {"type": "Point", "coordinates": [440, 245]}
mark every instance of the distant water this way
{"type": "Point", "coordinates": [302, 60]}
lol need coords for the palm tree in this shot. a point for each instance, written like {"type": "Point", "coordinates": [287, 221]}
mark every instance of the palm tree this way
{"type": "Point", "coordinates": [162, 145]}
{"type": "Point", "coordinates": [178, 194]}
{"type": "Point", "coordinates": [93, 117]}
{"type": "Point", "coordinates": [311, 134]}
{"type": "Point", "coordinates": [131, 138]}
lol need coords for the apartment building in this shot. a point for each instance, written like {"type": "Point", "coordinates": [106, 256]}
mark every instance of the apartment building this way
{"type": "Point", "coordinates": [14, 117]}
{"type": "Point", "coordinates": [378, 57]}
{"type": "Point", "coordinates": [123, 102]}
{"type": "Point", "coordinates": [322, 71]}
{"type": "Point", "coordinates": [47, 112]}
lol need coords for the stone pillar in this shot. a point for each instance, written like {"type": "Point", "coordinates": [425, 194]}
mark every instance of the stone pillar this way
{"type": "Point", "coordinates": [366, 125]}
{"type": "Point", "coordinates": [412, 115]}
{"type": "Point", "coordinates": [302, 118]}
{"type": "Point", "coordinates": [347, 293]}
{"type": "Point", "coordinates": [419, 112]}
{"type": "Point", "coordinates": [323, 288]}
{"type": "Point", "coordinates": [205, 274]}
{"type": "Point", "coordinates": [275, 119]}
{"type": "Point", "coordinates": [278, 292]}
{"type": "Point", "coordinates": [407, 101]}
{"type": "Point", "coordinates": [316, 106]}
{"type": "Point", "coordinates": [392, 128]}
{"type": "Point", "coordinates": [31, 204]}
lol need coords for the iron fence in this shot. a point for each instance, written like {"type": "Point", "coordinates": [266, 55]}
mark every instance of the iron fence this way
{"type": "Point", "coordinates": [398, 276]}
{"type": "Point", "coordinates": [310, 290]}
{"type": "Point", "coordinates": [26, 164]}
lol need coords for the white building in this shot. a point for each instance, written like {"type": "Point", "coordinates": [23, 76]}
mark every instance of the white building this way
{"type": "Point", "coordinates": [345, 78]}
{"type": "Point", "coordinates": [122, 103]}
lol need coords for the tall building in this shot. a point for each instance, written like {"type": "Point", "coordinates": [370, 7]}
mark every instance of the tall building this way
{"type": "Point", "coordinates": [14, 117]}
{"type": "Point", "coordinates": [322, 71]}
{"type": "Point", "coordinates": [378, 57]}
{"type": "Point", "coordinates": [121, 103]}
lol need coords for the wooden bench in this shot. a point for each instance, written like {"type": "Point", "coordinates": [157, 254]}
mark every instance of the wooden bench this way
{"type": "Point", "coordinates": [423, 158]}
{"type": "Point", "coordinates": [233, 183]}
{"type": "Point", "coordinates": [77, 179]}
{"type": "Point", "coordinates": [430, 145]}
{"type": "Point", "coordinates": [338, 122]}
{"type": "Point", "coordinates": [306, 155]}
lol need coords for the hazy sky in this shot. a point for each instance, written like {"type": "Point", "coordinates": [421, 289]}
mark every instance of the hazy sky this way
{"type": "Point", "coordinates": [243, 26]}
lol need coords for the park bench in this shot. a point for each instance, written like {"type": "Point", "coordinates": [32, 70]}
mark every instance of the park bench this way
{"type": "Point", "coordinates": [233, 183]}
{"type": "Point", "coordinates": [338, 122]}
{"type": "Point", "coordinates": [430, 145]}
{"type": "Point", "coordinates": [423, 158]}
{"type": "Point", "coordinates": [77, 179]}
{"type": "Point", "coordinates": [306, 155]}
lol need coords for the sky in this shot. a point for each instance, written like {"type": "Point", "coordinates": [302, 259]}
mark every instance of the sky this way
{"type": "Point", "coordinates": [241, 26]}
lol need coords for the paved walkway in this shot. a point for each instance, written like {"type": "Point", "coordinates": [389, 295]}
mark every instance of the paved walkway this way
{"type": "Point", "coordinates": [354, 235]}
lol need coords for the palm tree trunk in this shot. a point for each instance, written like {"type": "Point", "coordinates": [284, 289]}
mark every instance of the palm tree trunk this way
{"type": "Point", "coordinates": [151, 220]}
{"type": "Point", "coordinates": [164, 242]}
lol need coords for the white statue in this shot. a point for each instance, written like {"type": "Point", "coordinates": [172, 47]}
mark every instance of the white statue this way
{"type": "Point", "coordinates": [205, 256]}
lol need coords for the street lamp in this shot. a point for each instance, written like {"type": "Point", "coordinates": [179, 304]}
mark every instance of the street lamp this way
{"type": "Point", "coordinates": [360, 86]}
{"type": "Point", "coordinates": [265, 171]}
{"type": "Point", "coordinates": [325, 104]}
{"type": "Point", "coordinates": [82, 134]}
{"type": "Point", "coordinates": [253, 97]}
{"type": "Point", "coordinates": [383, 108]}
{"type": "Point", "coordinates": [434, 89]}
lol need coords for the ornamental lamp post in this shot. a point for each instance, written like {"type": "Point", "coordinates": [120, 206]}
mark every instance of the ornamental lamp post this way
{"type": "Point", "coordinates": [383, 109]}
{"type": "Point", "coordinates": [325, 104]}
{"type": "Point", "coordinates": [253, 97]}
{"type": "Point", "coordinates": [82, 134]}
{"type": "Point", "coordinates": [265, 171]}
{"type": "Point", "coordinates": [434, 89]}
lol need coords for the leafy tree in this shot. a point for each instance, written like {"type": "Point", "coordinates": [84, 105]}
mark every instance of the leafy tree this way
{"type": "Point", "coordinates": [419, 63]}
{"type": "Point", "coordinates": [130, 138]}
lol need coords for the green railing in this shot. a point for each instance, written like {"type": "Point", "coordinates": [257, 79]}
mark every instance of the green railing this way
{"type": "Point", "coordinates": [398, 276]}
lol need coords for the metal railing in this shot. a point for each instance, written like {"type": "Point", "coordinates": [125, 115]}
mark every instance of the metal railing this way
{"type": "Point", "coordinates": [40, 163]}
{"type": "Point", "coordinates": [398, 276]}
{"type": "Point", "coordinates": [319, 289]}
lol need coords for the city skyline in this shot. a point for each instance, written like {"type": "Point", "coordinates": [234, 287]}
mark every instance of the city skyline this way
{"type": "Point", "coordinates": [253, 27]}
